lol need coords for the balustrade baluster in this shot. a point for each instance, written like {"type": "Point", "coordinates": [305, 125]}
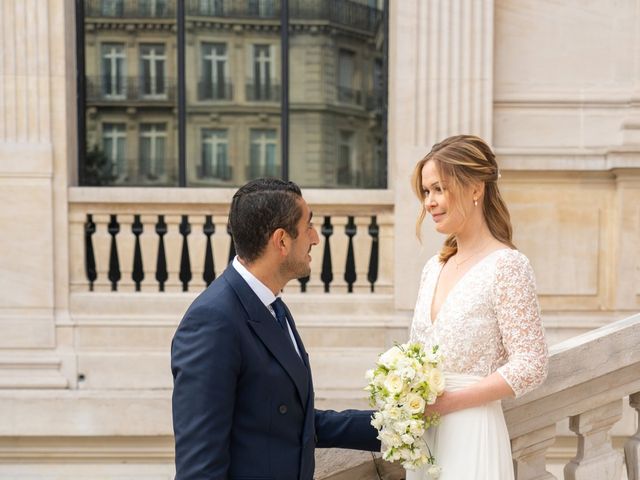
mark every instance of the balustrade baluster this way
{"type": "Point", "coordinates": [89, 255]}
{"type": "Point", "coordinates": [632, 447]}
{"type": "Point", "coordinates": [529, 454]}
{"type": "Point", "coordinates": [327, 270]}
{"type": "Point", "coordinates": [374, 232]}
{"type": "Point", "coordinates": [209, 272]}
{"type": "Point", "coordinates": [138, 271]}
{"type": "Point", "coordinates": [161, 264]}
{"type": "Point", "coordinates": [350, 275]}
{"type": "Point", "coordinates": [303, 283]}
{"type": "Point", "coordinates": [596, 457]}
{"type": "Point", "coordinates": [185, 262]}
{"type": "Point", "coordinates": [232, 246]}
{"type": "Point", "coordinates": [114, 263]}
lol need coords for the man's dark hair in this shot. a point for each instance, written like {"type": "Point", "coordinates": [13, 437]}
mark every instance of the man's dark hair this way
{"type": "Point", "coordinates": [258, 209]}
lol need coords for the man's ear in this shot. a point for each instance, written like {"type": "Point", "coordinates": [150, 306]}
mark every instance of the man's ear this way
{"type": "Point", "coordinates": [280, 241]}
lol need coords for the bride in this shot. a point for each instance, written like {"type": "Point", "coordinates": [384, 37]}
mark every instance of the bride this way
{"type": "Point", "coordinates": [477, 301]}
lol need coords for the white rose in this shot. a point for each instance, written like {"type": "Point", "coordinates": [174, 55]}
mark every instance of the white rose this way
{"type": "Point", "coordinates": [435, 471]}
{"type": "Point", "coordinates": [391, 357]}
{"type": "Point", "coordinates": [407, 372]}
{"type": "Point", "coordinates": [377, 420]}
{"type": "Point", "coordinates": [393, 383]}
{"type": "Point", "coordinates": [369, 375]}
{"type": "Point", "coordinates": [407, 439]}
{"type": "Point", "coordinates": [415, 403]}
{"type": "Point", "coordinates": [436, 381]}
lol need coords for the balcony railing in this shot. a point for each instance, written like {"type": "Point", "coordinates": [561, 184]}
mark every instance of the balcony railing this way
{"type": "Point", "coordinates": [214, 91]}
{"type": "Point", "coordinates": [142, 243]}
{"type": "Point", "coordinates": [101, 89]}
{"type": "Point", "coordinates": [589, 378]}
{"type": "Point", "coordinates": [349, 95]}
{"type": "Point", "coordinates": [130, 9]}
{"type": "Point", "coordinates": [342, 12]}
{"type": "Point", "coordinates": [268, 9]}
{"type": "Point", "coordinates": [262, 93]}
{"type": "Point", "coordinates": [217, 172]}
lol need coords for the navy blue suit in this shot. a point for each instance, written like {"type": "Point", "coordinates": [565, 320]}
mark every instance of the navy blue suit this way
{"type": "Point", "coordinates": [243, 398]}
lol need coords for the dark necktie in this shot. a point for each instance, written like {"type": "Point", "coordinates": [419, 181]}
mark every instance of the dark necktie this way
{"type": "Point", "coordinates": [281, 313]}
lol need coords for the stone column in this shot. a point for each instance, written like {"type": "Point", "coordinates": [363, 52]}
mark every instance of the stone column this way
{"type": "Point", "coordinates": [33, 174]}
{"type": "Point", "coordinates": [632, 447]}
{"type": "Point", "coordinates": [441, 74]}
{"type": "Point", "coordinates": [529, 454]}
{"type": "Point", "coordinates": [596, 457]}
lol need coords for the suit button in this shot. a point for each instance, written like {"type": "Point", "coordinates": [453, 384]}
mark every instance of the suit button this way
{"type": "Point", "coordinates": [282, 409]}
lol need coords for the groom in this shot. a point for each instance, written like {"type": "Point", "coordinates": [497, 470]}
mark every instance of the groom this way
{"type": "Point", "coordinates": [243, 394]}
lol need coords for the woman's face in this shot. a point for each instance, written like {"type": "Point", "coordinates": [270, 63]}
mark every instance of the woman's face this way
{"type": "Point", "coordinates": [448, 214]}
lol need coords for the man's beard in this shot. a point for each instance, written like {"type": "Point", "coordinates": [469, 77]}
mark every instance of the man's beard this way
{"type": "Point", "coordinates": [295, 269]}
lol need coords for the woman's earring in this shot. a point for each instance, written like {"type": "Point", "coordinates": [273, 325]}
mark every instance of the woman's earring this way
{"type": "Point", "coordinates": [475, 202]}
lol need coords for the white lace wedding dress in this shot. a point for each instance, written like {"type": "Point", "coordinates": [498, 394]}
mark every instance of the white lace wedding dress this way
{"type": "Point", "coordinates": [489, 322]}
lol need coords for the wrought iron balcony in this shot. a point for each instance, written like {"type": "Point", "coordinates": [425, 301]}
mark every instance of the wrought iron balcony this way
{"type": "Point", "coordinates": [349, 95]}
{"type": "Point", "coordinates": [214, 91]}
{"type": "Point", "coordinates": [102, 89]}
{"type": "Point", "coordinates": [269, 9]}
{"type": "Point", "coordinates": [130, 9]}
{"type": "Point", "coordinates": [205, 171]}
{"type": "Point", "coordinates": [342, 12]}
{"type": "Point", "coordinates": [257, 171]}
{"type": "Point", "coordinates": [262, 93]}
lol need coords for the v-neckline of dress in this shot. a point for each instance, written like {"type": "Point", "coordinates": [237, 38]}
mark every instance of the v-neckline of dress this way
{"type": "Point", "coordinates": [433, 320]}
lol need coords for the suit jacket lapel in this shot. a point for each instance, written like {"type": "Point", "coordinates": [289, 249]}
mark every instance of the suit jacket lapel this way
{"type": "Point", "coordinates": [303, 352]}
{"type": "Point", "coordinates": [265, 327]}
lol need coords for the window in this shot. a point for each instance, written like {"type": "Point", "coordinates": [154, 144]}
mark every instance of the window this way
{"type": "Point", "coordinates": [262, 8]}
{"type": "Point", "coordinates": [153, 139]}
{"type": "Point", "coordinates": [114, 145]}
{"type": "Point", "coordinates": [152, 70]}
{"type": "Point", "coordinates": [214, 84]}
{"type": "Point", "coordinates": [112, 8]}
{"type": "Point", "coordinates": [214, 155]}
{"type": "Point", "coordinates": [113, 70]}
{"type": "Point", "coordinates": [188, 92]}
{"type": "Point", "coordinates": [346, 171]}
{"type": "Point", "coordinates": [262, 88]}
{"type": "Point", "coordinates": [346, 76]}
{"type": "Point", "coordinates": [263, 160]}
{"type": "Point", "coordinates": [153, 8]}
{"type": "Point", "coordinates": [210, 8]}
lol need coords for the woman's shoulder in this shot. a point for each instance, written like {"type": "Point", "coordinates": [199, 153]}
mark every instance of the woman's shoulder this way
{"type": "Point", "coordinates": [511, 260]}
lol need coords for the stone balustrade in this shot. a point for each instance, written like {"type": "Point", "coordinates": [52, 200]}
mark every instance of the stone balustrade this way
{"type": "Point", "coordinates": [590, 377]}
{"type": "Point", "coordinates": [155, 241]}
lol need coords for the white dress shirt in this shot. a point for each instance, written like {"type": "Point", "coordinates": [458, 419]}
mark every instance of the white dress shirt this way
{"type": "Point", "coordinates": [263, 292]}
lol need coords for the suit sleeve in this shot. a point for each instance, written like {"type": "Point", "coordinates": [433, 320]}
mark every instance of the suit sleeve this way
{"type": "Point", "coordinates": [205, 362]}
{"type": "Point", "coordinates": [347, 429]}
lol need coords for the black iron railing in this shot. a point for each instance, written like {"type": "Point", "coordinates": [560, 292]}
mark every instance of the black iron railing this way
{"type": "Point", "coordinates": [130, 8]}
{"type": "Point", "coordinates": [256, 92]}
{"type": "Point", "coordinates": [120, 89]}
{"type": "Point", "coordinates": [188, 228]}
{"type": "Point", "coordinates": [214, 91]}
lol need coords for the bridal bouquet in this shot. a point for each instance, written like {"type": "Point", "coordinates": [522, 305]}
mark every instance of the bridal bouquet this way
{"type": "Point", "coordinates": [405, 379]}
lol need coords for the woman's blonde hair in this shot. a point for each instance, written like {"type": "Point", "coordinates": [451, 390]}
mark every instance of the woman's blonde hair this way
{"type": "Point", "coordinates": [462, 161]}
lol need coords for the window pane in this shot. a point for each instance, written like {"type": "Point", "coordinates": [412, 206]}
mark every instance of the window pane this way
{"type": "Point", "coordinates": [233, 95]}
{"type": "Point", "coordinates": [130, 97]}
{"type": "Point", "coordinates": [337, 93]}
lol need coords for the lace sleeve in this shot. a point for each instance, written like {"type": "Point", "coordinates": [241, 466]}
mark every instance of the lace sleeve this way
{"type": "Point", "coordinates": [522, 332]}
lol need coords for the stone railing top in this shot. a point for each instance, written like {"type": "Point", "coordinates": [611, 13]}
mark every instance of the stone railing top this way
{"type": "Point", "coordinates": [584, 372]}
{"type": "Point", "coordinates": [349, 198]}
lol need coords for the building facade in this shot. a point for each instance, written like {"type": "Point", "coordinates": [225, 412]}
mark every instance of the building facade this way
{"type": "Point", "coordinates": [95, 278]}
